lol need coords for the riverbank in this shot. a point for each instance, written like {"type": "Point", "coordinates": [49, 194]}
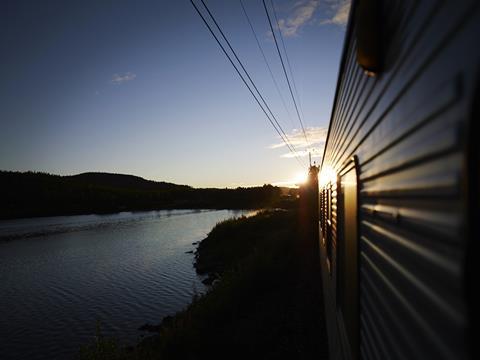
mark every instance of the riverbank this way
{"type": "Point", "coordinates": [123, 270]}
{"type": "Point", "coordinates": [265, 300]}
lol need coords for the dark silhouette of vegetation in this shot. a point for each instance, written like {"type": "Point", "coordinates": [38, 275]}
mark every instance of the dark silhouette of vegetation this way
{"type": "Point", "coordinates": [102, 347]}
{"type": "Point", "coordinates": [30, 194]}
{"type": "Point", "coordinates": [265, 304]}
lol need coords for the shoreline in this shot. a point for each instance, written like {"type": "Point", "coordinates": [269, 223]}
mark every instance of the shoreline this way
{"type": "Point", "coordinates": [255, 298]}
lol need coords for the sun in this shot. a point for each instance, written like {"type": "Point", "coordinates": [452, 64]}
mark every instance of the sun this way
{"type": "Point", "coordinates": [299, 178]}
{"type": "Point", "coordinates": [327, 175]}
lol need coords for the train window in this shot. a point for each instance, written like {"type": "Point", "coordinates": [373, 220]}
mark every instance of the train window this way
{"type": "Point", "coordinates": [324, 214]}
{"type": "Point", "coordinates": [347, 256]}
{"type": "Point", "coordinates": [320, 208]}
{"type": "Point", "coordinates": [328, 236]}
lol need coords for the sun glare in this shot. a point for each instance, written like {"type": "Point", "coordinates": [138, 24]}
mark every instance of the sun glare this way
{"type": "Point", "coordinates": [327, 175]}
{"type": "Point", "coordinates": [299, 178]}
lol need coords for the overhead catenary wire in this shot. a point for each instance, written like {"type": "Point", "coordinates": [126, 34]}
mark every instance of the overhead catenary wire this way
{"type": "Point", "coordinates": [286, 57]}
{"type": "Point", "coordinates": [287, 141]}
{"type": "Point", "coordinates": [266, 62]}
{"type": "Point", "coordinates": [285, 71]}
{"type": "Point", "coordinates": [279, 130]}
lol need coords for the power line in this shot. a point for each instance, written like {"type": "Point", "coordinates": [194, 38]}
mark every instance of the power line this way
{"type": "Point", "coordinates": [282, 135]}
{"type": "Point", "coordinates": [246, 72]}
{"type": "Point", "coordinates": [286, 56]}
{"type": "Point", "coordinates": [285, 72]}
{"type": "Point", "coordinates": [266, 62]}
{"type": "Point", "coordinates": [285, 140]}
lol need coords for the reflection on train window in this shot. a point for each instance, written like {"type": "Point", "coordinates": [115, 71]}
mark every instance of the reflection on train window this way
{"type": "Point", "coordinates": [324, 217]}
{"type": "Point", "coordinates": [320, 207]}
{"type": "Point", "coordinates": [328, 239]}
{"type": "Point", "coordinates": [347, 257]}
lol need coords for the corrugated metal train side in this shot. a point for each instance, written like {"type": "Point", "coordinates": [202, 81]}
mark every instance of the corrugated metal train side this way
{"type": "Point", "coordinates": [394, 206]}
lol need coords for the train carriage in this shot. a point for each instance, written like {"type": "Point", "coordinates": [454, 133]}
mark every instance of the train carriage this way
{"type": "Point", "coordinates": [398, 189]}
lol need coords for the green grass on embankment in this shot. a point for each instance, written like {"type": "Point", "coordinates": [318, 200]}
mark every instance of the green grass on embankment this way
{"type": "Point", "coordinates": [266, 302]}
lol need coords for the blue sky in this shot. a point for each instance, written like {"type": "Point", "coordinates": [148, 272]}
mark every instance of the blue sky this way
{"type": "Point", "coordinates": [141, 87]}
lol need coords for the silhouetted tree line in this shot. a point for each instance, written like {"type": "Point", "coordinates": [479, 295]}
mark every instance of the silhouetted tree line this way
{"type": "Point", "coordinates": [29, 194]}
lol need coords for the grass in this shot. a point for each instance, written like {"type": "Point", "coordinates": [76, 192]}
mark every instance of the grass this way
{"type": "Point", "coordinates": [266, 303]}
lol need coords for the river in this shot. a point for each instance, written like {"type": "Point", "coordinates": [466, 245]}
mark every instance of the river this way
{"type": "Point", "coordinates": [59, 275]}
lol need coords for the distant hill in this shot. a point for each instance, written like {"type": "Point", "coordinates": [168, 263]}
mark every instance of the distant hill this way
{"type": "Point", "coordinates": [124, 181]}
{"type": "Point", "coordinates": [30, 194]}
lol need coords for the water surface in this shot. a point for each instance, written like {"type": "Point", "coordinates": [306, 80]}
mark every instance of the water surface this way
{"type": "Point", "coordinates": [60, 274]}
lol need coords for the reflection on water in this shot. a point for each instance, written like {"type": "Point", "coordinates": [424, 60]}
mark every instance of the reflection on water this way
{"type": "Point", "coordinates": [62, 273]}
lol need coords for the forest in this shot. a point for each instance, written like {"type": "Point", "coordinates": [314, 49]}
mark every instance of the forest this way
{"type": "Point", "coordinates": [31, 194]}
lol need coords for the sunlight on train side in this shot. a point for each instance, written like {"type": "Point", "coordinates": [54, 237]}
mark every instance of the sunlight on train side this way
{"type": "Point", "coordinates": [327, 175]}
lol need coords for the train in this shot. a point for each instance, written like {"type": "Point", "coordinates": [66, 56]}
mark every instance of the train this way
{"type": "Point", "coordinates": [399, 183]}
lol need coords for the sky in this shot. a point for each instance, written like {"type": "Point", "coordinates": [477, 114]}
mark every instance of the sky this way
{"type": "Point", "coordinates": [142, 88]}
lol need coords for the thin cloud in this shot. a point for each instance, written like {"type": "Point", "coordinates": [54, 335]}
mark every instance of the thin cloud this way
{"type": "Point", "coordinates": [316, 140]}
{"type": "Point", "coordinates": [314, 153]}
{"type": "Point", "coordinates": [120, 79]}
{"type": "Point", "coordinates": [340, 10]}
{"type": "Point", "coordinates": [303, 12]}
